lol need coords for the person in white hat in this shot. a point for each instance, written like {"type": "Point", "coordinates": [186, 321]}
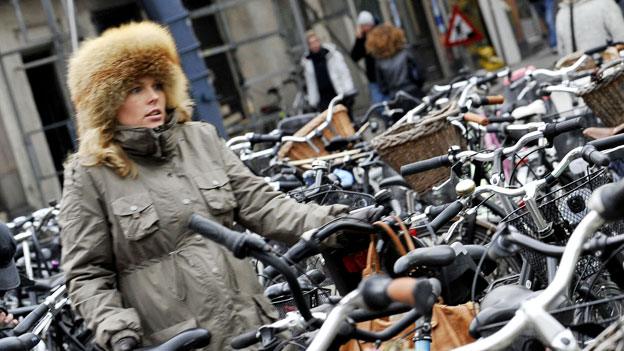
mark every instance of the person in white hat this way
{"type": "Point", "coordinates": [366, 22]}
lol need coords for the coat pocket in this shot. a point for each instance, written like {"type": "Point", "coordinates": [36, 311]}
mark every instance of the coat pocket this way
{"type": "Point", "coordinates": [136, 215]}
{"type": "Point", "coordinates": [216, 191]}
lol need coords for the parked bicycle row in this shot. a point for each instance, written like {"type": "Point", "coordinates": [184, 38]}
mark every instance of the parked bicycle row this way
{"type": "Point", "coordinates": [485, 215]}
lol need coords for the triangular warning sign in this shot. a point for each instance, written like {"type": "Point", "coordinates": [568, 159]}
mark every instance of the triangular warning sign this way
{"type": "Point", "coordinates": [460, 30]}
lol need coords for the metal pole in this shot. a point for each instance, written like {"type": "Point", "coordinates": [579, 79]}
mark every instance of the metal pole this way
{"type": "Point", "coordinates": [20, 20]}
{"type": "Point", "coordinates": [27, 143]}
{"type": "Point", "coordinates": [71, 18]}
{"type": "Point", "coordinates": [294, 5]}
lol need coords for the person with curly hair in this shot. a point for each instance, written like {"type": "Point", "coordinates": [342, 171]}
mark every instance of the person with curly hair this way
{"type": "Point", "coordinates": [397, 67]}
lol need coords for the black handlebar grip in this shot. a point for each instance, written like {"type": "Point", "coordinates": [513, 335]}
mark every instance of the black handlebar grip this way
{"type": "Point", "coordinates": [288, 185]}
{"type": "Point", "coordinates": [245, 340]}
{"type": "Point", "coordinates": [373, 292]}
{"type": "Point", "coordinates": [214, 231]}
{"type": "Point", "coordinates": [425, 165]}
{"type": "Point", "coordinates": [594, 157]}
{"type": "Point", "coordinates": [30, 320]}
{"type": "Point", "coordinates": [608, 200]}
{"type": "Point", "coordinates": [449, 213]}
{"type": "Point", "coordinates": [608, 143]}
{"type": "Point", "coordinates": [501, 119]}
{"type": "Point", "coordinates": [189, 339]}
{"type": "Point", "coordinates": [437, 96]}
{"type": "Point", "coordinates": [264, 138]}
{"type": "Point", "coordinates": [490, 77]}
{"type": "Point", "coordinates": [300, 250]}
{"type": "Point", "coordinates": [600, 48]}
{"type": "Point", "coordinates": [19, 343]}
{"type": "Point", "coordinates": [433, 211]}
{"type": "Point", "coordinates": [554, 129]}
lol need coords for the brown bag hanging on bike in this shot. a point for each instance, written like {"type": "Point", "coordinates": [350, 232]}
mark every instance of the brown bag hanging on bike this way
{"type": "Point", "coordinates": [449, 326]}
{"type": "Point", "coordinates": [373, 266]}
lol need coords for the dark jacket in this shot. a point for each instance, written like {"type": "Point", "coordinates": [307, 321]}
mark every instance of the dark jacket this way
{"type": "Point", "coordinates": [358, 52]}
{"type": "Point", "coordinates": [400, 72]}
{"type": "Point", "coordinates": [132, 266]}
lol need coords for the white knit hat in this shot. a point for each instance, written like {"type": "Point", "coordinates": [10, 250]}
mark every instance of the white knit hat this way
{"type": "Point", "coordinates": [365, 17]}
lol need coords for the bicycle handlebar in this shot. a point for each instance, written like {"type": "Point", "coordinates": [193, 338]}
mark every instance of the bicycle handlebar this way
{"type": "Point", "coordinates": [447, 215]}
{"type": "Point", "coordinates": [23, 342]}
{"type": "Point", "coordinates": [305, 248]}
{"type": "Point", "coordinates": [608, 142]}
{"type": "Point", "coordinates": [238, 243]}
{"type": "Point", "coordinates": [243, 245]}
{"type": "Point", "coordinates": [31, 320]}
{"type": "Point", "coordinates": [190, 339]}
{"type": "Point", "coordinates": [379, 291]}
{"type": "Point", "coordinates": [425, 165]}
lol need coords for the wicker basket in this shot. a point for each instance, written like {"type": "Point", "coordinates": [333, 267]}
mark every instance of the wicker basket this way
{"type": "Point", "coordinates": [411, 142]}
{"type": "Point", "coordinates": [605, 97]}
{"type": "Point", "coordinates": [340, 126]}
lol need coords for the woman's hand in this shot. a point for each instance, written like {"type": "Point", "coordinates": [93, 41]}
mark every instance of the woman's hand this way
{"type": "Point", "coordinates": [7, 320]}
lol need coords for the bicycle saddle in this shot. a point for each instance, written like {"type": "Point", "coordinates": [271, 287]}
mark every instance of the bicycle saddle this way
{"type": "Point", "coordinates": [602, 132]}
{"type": "Point", "coordinates": [436, 256]}
{"type": "Point", "coordinates": [392, 181]}
{"type": "Point", "coordinates": [499, 305]}
{"type": "Point", "coordinates": [190, 339]}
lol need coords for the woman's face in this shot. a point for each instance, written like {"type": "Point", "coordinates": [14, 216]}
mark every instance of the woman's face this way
{"type": "Point", "coordinates": [144, 106]}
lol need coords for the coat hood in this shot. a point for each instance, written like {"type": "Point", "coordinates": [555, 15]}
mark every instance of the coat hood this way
{"type": "Point", "coordinates": [103, 70]}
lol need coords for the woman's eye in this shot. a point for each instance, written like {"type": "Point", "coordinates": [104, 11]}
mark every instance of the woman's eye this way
{"type": "Point", "coordinates": [159, 86]}
{"type": "Point", "coordinates": [135, 90]}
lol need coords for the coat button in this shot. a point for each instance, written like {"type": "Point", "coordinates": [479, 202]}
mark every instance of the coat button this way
{"type": "Point", "coordinates": [133, 208]}
{"type": "Point", "coordinates": [186, 201]}
{"type": "Point", "coordinates": [215, 270]}
{"type": "Point", "coordinates": [198, 237]}
{"type": "Point", "coordinates": [214, 182]}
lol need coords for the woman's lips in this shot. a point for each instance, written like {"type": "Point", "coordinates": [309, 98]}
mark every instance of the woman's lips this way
{"type": "Point", "coordinates": [154, 118]}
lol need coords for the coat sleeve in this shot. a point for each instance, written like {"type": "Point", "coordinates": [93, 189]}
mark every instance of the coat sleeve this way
{"type": "Point", "coordinates": [345, 80]}
{"type": "Point", "coordinates": [614, 21]}
{"type": "Point", "coordinates": [88, 260]}
{"type": "Point", "coordinates": [266, 211]}
{"type": "Point", "coordinates": [359, 49]}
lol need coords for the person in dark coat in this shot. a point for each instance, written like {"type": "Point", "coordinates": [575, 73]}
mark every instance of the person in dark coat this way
{"type": "Point", "coordinates": [365, 23]}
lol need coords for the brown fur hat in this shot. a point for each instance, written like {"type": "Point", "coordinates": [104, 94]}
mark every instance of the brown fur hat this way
{"type": "Point", "coordinates": [103, 70]}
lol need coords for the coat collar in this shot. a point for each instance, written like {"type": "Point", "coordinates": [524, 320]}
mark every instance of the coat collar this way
{"type": "Point", "coordinates": [157, 143]}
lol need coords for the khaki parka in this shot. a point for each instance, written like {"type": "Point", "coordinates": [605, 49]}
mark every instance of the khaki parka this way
{"type": "Point", "coordinates": [132, 266]}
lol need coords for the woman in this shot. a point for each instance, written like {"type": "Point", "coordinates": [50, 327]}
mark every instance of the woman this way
{"type": "Point", "coordinates": [586, 24]}
{"type": "Point", "coordinates": [396, 64]}
{"type": "Point", "coordinates": [133, 269]}
{"type": "Point", "coordinates": [326, 73]}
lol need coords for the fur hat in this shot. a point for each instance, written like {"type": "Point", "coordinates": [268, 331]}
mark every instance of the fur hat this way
{"type": "Point", "coordinates": [103, 70]}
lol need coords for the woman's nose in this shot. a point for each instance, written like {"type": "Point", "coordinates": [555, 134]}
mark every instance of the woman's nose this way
{"type": "Point", "coordinates": [153, 94]}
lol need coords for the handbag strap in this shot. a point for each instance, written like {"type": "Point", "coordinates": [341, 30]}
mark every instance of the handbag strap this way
{"type": "Point", "coordinates": [372, 259]}
{"type": "Point", "coordinates": [398, 245]}
{"type": "Point", "coordinates": [406, 233]}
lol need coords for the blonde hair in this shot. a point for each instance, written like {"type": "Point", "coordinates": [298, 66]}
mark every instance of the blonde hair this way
{"type": "Point", "coordinates": [385, 41]}
{"type": "Point", "coordinates": [100, 75]}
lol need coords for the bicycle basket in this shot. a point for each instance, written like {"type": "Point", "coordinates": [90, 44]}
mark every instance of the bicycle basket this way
{"type": "Point", "coordinates": [605, 96]}
{"type": "Point", "coordinates": [313, 298]}
{"type": "Point", "coordinates": [564, 208]}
